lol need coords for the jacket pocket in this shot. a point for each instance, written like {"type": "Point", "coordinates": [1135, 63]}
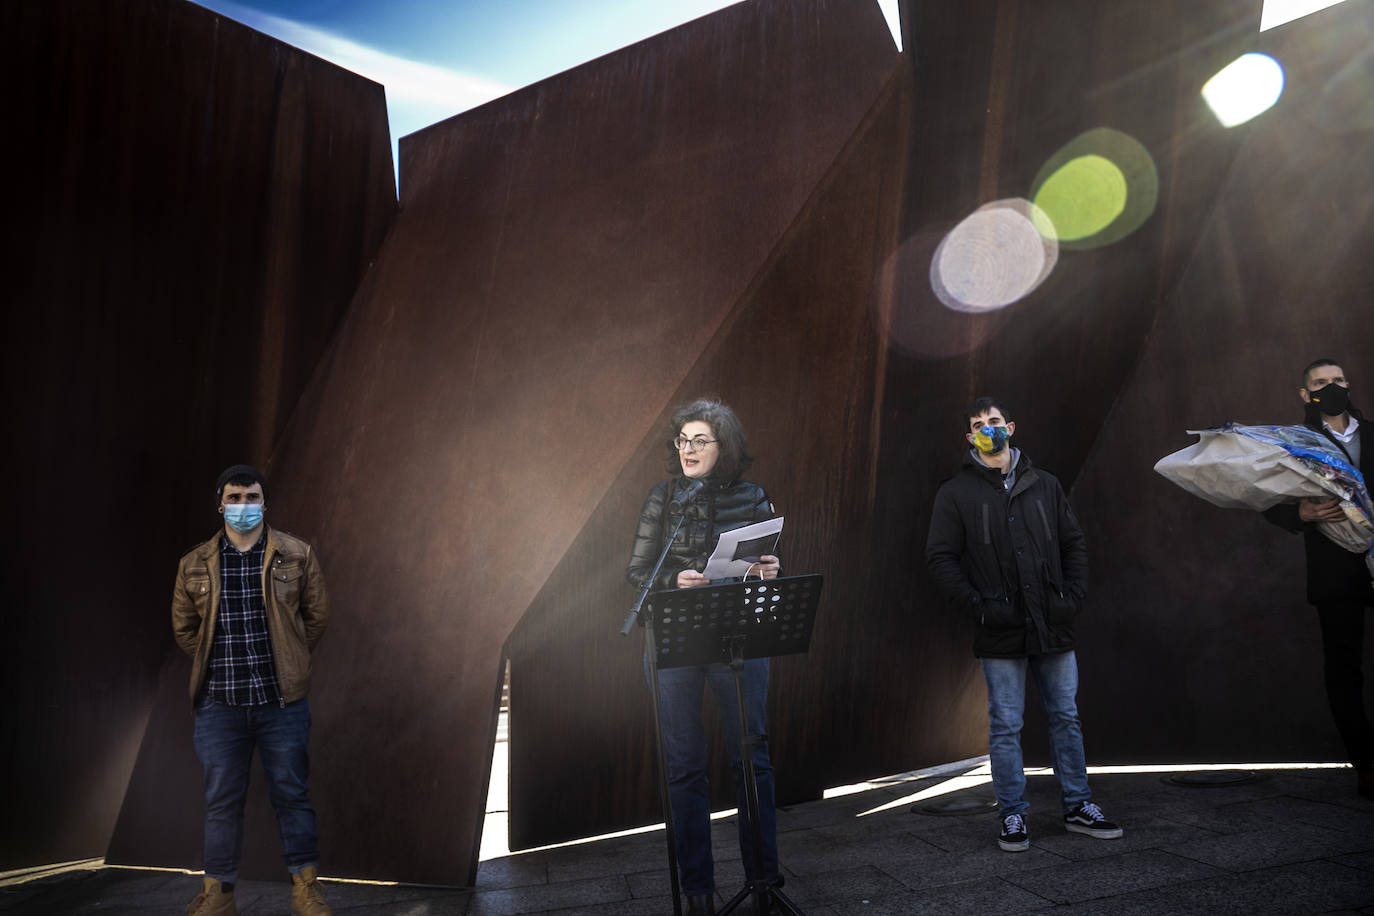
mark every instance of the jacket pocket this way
{"type": "Point", "coordinates": [997, 613]}
{"type": "Point", "coordinates": [197, 589]}
{"type": "Point", "coordinates": [1061, 606]}
{"type": "Point", "coordinates": [286, 586]}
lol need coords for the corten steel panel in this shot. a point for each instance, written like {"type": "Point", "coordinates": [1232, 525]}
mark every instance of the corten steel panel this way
{"type": "Point", "coordinates": [802, 361]}
{"type": "Point", "coordinates": [1209, 605]}
{"type": "Point", "coordinates": [190, 208]}
{"type": "Point", "coordinates": [1072, 356]}
{"type": "Point", "coordinates": [890, 684]}
{"type": "Point", "coordinates": [562, 257]}
{"type": "Point", "coordinates": [1064, 355]}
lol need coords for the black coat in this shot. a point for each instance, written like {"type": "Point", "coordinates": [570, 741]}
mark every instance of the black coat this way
{"type": "Point", "coordinates": [1015, 563]}
{"type": "Point", "coordinates": [1333, 573]}
{"type": "Point", "coordinates": [718, 507]}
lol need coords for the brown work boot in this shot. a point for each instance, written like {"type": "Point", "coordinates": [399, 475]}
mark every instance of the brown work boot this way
{"type": "Point", "coordinates": [212, 901]}
{"type": "Point", "coordinates": [305, 895]}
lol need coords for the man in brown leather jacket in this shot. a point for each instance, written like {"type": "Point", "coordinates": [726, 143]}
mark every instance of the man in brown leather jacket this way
{"type": "Point", "coordinates": [249, 606]}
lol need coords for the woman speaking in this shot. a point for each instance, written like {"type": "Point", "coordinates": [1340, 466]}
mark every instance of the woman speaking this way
{"type": "Point", "coordinates": [707, 454]}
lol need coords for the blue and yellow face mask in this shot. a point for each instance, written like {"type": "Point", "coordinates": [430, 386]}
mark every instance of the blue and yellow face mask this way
{"type": "Point", "coordinates": [991, 439]}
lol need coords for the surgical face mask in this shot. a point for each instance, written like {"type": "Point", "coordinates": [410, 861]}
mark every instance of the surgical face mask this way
{"type": "Point", "coordinates": [1332, 400]}
{"type": "Point", "coordinates": [991, 439]}
{"type": "Point", "coordinates": [243, 517]}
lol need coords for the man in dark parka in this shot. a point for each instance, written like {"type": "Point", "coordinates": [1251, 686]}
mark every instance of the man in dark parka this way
{"type": "Point", "coordinates": [1005, 548]}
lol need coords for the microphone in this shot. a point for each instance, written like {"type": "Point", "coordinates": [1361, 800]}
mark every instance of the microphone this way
{"type": "Point", "coordinates": [689, 493]}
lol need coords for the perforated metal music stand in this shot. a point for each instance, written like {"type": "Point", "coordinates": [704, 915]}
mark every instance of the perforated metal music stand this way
{"type": "Point", "coordinates": [727, 624]}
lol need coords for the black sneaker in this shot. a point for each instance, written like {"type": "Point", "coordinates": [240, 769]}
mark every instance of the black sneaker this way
{"type": "Point", "coordinates": [1088, 819]}
{"type": "Point", "coordinates": [1014, 837]}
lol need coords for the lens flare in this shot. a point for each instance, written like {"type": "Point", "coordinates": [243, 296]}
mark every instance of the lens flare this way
{"type": "Point", "coordinates": [1097, 189]}
{"type": "Point", "coordinates": [1244, 89]}
{"type": "Point", "coordinates": [998, 254]}
{"type": "Point", "coordinates": [1083, 197]}
{"type": "Point", "coordinates": [1346, 103]}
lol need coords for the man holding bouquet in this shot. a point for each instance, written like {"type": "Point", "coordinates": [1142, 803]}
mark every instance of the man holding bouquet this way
{"type": "Point", "coordinates": [1338, 581]}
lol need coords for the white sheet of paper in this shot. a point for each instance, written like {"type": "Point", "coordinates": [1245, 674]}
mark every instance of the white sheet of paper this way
{"type": "Point", "coordinates": [724, 565]}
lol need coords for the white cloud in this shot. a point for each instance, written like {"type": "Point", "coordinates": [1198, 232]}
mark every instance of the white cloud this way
{"type": "Point", "coordinates": [408, 82]}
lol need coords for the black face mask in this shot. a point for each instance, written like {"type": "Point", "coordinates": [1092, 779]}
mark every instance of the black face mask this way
{"type": "Point", "coordinates": [1331, 401]}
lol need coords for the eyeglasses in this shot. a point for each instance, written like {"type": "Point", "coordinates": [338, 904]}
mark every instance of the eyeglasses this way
{"type": "Point", "coordinates": [683, 444]}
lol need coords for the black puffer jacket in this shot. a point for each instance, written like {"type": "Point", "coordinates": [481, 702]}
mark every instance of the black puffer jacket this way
{"type": "Point", "coordinates": [718, 507]}
{"type": "Point", "coordinates": [1015, 562]}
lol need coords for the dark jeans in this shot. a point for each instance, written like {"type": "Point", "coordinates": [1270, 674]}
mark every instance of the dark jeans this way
{"type": "Point", "coordinates": [1343, 656]}
{"type": "Point", "coordinates": [224, 739]}
{"type": "Point", "coordinates": [681, 691]}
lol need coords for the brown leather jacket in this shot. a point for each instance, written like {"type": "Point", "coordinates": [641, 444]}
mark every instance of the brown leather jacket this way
{"type": "Point", "coordinates": [297, 608]}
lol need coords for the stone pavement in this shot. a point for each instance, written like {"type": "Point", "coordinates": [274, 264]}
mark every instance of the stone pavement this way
{"type": "Point", "coordinates": [1295, 841]}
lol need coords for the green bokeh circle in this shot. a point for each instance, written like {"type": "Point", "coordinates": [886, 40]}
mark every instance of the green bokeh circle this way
{"type": "Point", "coordinates": [1083, 197]}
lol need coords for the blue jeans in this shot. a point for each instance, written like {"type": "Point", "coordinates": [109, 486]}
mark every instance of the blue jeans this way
{"type": "Point", "coordinates": [680, 693]}
{"type": "Point", "coordinates": [224, 739]}
{"type": "Point", "coordinates": [1057, 677]}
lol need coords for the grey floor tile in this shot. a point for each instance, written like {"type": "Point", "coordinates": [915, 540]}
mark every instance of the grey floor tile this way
{"type": "Point", "coordinates": [1364, 860]}
{"type": "Point", "coordinates": [966, 867]}
{"type": "Point", "coordinates": [347, 895]}
{"type": "Point", "coordinates": [1280, 842]}
{"type": "Point", "coordinates": [1350, 819]}
{"type": "Point", "coordinates": [1291, 890]}
{"type": "Point", "coordinates": [589, 892]}
{"type": "Point", "coordinates": [842, 886]}
{"type": "Point", "coordinates": [511, 871]}
{"type": "Point", "coordinates": [649, 906]}
{"type": "Point", "coordinates": [991, 895]}
{"type": "Point", "coordinates": [1142, 832]}
{"type": "Point", "coordinates": [1071, 882]}
{"type": "Point", "coordinates": [646, 884]}
{"type": "Point", "coordinates": [610, 857]}
{"type": "Point", "coordinates": [445, 906]}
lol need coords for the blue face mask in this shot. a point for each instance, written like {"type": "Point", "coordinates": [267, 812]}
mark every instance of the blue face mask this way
{"type": "Point", "coordinates": [243, 517]}
{"type": "Point", "coordinates": [991, 439]}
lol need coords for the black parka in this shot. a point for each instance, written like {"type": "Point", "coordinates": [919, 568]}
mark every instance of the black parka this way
{"type": "Point", "coordinates": [1014, 562]}
{"type": "Point", "coordinates": [718, 507]}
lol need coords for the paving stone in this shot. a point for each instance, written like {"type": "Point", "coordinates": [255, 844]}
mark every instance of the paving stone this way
{"type": "Point", "coordinates": [946, 868]}
{"type": "Point", "coordinates": [511, 871]}
{"type": "Point", "coordinates": [1141, 832]}
{"type": "Point", "coordinates": [1279, 843]}
{"type": "Point", "coordinates": [456, 905]}
{"type": "Point", "coordinates": [1085, 880]}
{"type": "Point", "coordinates": [842, 886]}
{"type": "Point", "coordinates": [987, 896]}
{"type": "Point", "coordinates": [1364, 860]}
{"type": "Point", "coordinates": [586, 893]}
{"type": "Point", "coordinates": [1290, 890]}
{"type": "Point", "coordinates": [1295, 844]}
{"type": "Point", "coordinates": [651, 906]}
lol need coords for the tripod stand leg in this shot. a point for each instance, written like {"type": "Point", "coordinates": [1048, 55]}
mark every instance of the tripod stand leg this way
{"type": "Point", "coordinates": [768, 897]}
{"type": "Point", "coordinates": [664, 798]}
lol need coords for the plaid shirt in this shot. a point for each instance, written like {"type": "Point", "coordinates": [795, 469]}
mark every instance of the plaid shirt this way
{"type": "Point", "coordinates": [241, 670]}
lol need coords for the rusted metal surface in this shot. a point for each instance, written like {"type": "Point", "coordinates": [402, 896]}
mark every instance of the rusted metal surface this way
{"type": "Point", "coordinates": [744, 206]}
{"type": "Point", "coordinates": [563, 258]}
{"type": "Point", "coordinates": [192, 207]}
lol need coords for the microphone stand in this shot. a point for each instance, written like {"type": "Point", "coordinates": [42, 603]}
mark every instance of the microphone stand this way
{"type": "Point", "coordinates": [651, 652]}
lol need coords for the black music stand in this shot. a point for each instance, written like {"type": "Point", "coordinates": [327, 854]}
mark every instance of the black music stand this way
{"type": "Point", "coordinates": [759, 618]}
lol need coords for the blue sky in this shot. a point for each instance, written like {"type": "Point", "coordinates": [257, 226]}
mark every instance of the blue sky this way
{"type": "Point", "coordinates": [437, 58]}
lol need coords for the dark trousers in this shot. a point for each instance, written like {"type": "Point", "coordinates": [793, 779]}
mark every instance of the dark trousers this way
{"type": "Point", "coordinates": [1342, 625]}
{"type": "Point", "coordinates": [225, 737]}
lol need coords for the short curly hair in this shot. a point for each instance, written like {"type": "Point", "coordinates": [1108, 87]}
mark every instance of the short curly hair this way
{"type": "Point", "coordinates": [734, 457]}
